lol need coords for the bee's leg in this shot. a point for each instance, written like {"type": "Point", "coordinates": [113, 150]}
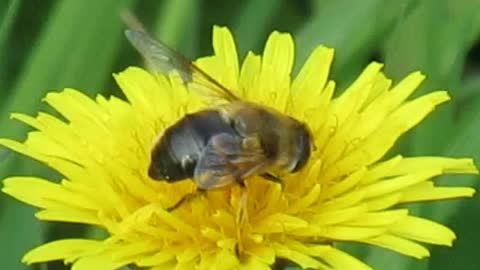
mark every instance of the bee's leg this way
{"type": "Point", "coordinates": [273, 178]}
{"type": "Point", "coordinates": [242, 217]}
{"type": "Point", "coordinates": [131, 266]}
{"type": "Point", "coordinates": [242, 214]}
{"type": "Point", "coordinates": [186, 198]}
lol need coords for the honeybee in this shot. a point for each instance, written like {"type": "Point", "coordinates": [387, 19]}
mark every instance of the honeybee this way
{"type": "Point", "coordinates": [223, 144]}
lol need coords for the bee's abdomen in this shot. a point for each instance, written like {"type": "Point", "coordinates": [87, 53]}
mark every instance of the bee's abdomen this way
{"type": "Point", "coordinates": [175, 155]}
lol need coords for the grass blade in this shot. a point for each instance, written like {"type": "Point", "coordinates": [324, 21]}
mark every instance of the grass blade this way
{"type": "Point", "coordinates": [75, 29]}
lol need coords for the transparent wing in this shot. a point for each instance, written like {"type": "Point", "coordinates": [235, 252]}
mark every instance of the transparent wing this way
{"type": "Point", "coordinates": [165, 60]}
{"type": "Point", "coordinates": [225, 161]}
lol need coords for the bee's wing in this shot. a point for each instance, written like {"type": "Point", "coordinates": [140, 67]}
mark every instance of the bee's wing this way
{"type": "Point", "coordinates": [165, 60]}
{"type": "Point", "coordinates": [225, 161]}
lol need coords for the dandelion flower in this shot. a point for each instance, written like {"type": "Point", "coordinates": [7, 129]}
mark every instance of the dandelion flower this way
{"type": "Point", "coordinates": [346, 192]}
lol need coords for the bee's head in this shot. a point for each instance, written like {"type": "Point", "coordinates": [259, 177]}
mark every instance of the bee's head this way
{"type": "Point", "coordinates": [165, 167]}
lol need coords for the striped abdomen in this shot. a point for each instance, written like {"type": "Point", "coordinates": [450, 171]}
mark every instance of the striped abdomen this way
{"type": "Point", "coordinates": [175, 155]}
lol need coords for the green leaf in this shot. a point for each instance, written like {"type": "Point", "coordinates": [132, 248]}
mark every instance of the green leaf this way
{"type": "Point", "coordinates": [21, 231]}
{"type": "Point", "coordinates": [469, 91]}
{"type": "Point", "coordinates": [380, 258]}
{"type": "Point", "coordinates": [351, 27]}
{"type": "Point", "coordinates": [434, 38]}
{"type": "Point", "coordinates": [76, 48]}
{"type": "Point", "coordinates": [462, 214]}
{"type": "Point", "coordinates": [59, 59]}
{"type": "Point", "coordinates": [465, 144]}
{"type": "Point", "coordinates": [6, 22]}
{"type": "Point", "coordinates": [178, 20]}
{"type": "Point", "coordinates": [253, 13]}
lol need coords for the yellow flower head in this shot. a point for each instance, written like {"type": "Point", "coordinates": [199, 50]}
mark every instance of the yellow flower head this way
{"type": "Point", "coordinates": [344, 193]}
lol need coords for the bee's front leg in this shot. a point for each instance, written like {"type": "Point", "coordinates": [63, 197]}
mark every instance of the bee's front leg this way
{"type": "Point", "coordinates": [186, 198]}
{"type": "Point", "coordinates": [273, 178]}
{"type": "Point", "coordinates": [241, 217]}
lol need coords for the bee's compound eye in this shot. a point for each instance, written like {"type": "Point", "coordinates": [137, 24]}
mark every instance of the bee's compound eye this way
{"type": "Point", "coordinates": [304, 145]}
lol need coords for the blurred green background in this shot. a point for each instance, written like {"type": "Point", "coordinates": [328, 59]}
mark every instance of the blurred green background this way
{"type": "Point", "coordinates": [50, 45]}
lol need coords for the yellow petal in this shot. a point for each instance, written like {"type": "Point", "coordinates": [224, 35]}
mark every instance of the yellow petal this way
{"type": "Point", "coordinates": [62, 249]}
{"type": "Point", "coordinates": [373, 114]}
{"type": "Point", "coordinates": [165, 266]}
{"type": "Point", "coordinates": [398, 183]}
{"type": "Point", "coordinates": [158, 258]}
{"type": "Point", "coordinates": [382, 139]}
{"type": "Point", "coordinates": [39, 192]}
{"type": "Point", "coordinates": [147, 93]}
{"type": "Point", "coordinates": [279, 223]}
{"type": "Point", "coordinates": [277, 62]}
{"type": "Point", "coordinates": [133, 251]}
{"type": "Point", "coordinates": [297, 257]}
{"type": "Point", "coordinates": [400, 245]}
{"type": "Point", "coordinates": [348, 183]}
{"type": "Point", "coordinates": [327, 127]}
{"type": "Point", "coordinates": [102, 147]}
{"type": "Point", "coordinates": [69, 215]}
{"type": "Point", "coordinates": [427, 192]}
{"type": "Point", "coordinates": [225, 260]}
{"type": "Point", "coordinates": [339, 216]}
{"type": "Point", "coordinates": [351, 233]}
{"type": "Point", "coordinates": [382, 218]}
{"type": "Point", "coordinates": [380, 88]}
{"type": "Point", "coordinates": [226, 56]}
{"type": "Point", "coordinates": [354, 96]}
{"type": "Point", "coordinates": [187, 256]}
{"type": "Point", "coordinates": [98, 262]}
{"type": "Point", "coordinates": [173, 221]}
{"type": "Point", "coordinates": [262, 253]}
{"type": "Point", "coordinates": [75, 106]}
{"type": "Point", "coordinates": [314, 250]}
{"type": "Point", "coordinates": [341, 260]}
{"type": "Point", "coordinates": [314, 74]}
{"type": "Point", "coordinates": [344, 201]}
{"type": "Point", "coordinates": [396, 96]}
{"type": "Point", "coordinates": [249, 75]}
{"type": "Point", "coordinates": [22, 149]}
{"type": "Point", "coordinates": [447, 165]}
{"type": "Point", "coordinates": [254, 264]}
{"type": "Point", "coordinates": [279, 53]}
{"type": "Point", "coordinates": [384, 202]}
{"type": "Point", "coordinates": [423, 230]}
{"type": "Point", "coordinates": [27, 119]}
{"type": "Point", "coordinates": [207, 261]}
{"type": "Point", "coordinates": [382, 169]}
{"type": "Point", "coordinates": [305, 201]}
